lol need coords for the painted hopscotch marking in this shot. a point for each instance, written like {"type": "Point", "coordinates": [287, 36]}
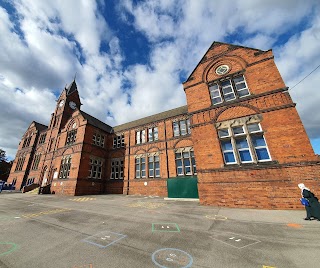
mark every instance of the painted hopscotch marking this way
{"type": "Point", "coordinates": [172, 258]}
{"type": "Point", "coordinates": [235, 240]}
{"type": "Point", "coordinates": [54, 211]}
{"type": "Point", "coordinates": [83, 199]}
{"type": "Point", "coordinates": [104, 239]}
{"type": "Point", "coordinates": [216, 217]}
{"type": "Point", "coordinates": [165, 227]}
{"type": "Point", "coordinates": [7, 248]}
{"type": "Point", "coordinates": [148, 205]}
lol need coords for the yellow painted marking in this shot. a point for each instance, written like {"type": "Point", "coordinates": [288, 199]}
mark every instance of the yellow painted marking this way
{"type": "Point", "coordinates": [148, 205]}
{"type": "Point", "coordinates": [83, 199]}
{"type": "Point", "coordinates": [216, 217]}
{"type": "Point", "coordinates": [294, 225]}
{"type": "Point", "coordinates": [268, 266]}
{"type": "Point", "coordinates": [54, 211]}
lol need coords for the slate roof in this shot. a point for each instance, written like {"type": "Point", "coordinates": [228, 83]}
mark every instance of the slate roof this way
{"type": "Point", "coordinates": [39, 126]}
{"type": "Point", "coordinates": [152, 118]}
{"type": "Point", "coordinates": [71, 88]}
{"type": "Point", "coordinates": [96, 122]}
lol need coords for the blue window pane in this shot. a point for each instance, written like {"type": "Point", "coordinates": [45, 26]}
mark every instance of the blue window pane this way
{"type": "Point", "coordinates": [186, 162]}
{"type": "Point", "coordinates": [226, 145]}
{"type": "Point", "coordinates": [216, 100]}
{"type": "Point", "coordinates": [229, 157]}
{"type": "Point", "coordinates": [258, 141]}
{"type": "Point", "coordinates": [238, 130]}
{"type": "Point", "coordinates": [262, 154]}
{"type": "Point", "coordinates": [245, 156]}
{"type": "Point", "coordinates": [242, 93]}
{"type": "Point", "coordinates": [223, 132]}
{"type": "Point", "coordinates": [242, 144]}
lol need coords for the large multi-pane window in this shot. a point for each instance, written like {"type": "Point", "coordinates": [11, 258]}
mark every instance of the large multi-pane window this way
{"type": "Point", "coordinates": [65, 167]}
{"type": "Point", "coordinates": [71, 137]}
{"type": "Point", "coordinates": [181, 128]}
{"type": "Point", "coordinates": [153, 166]}
{"type": "Point", "coordinates": [243, 144]}
{"type": "Point", "coordinates": [117, 166]}
{"type": "Point", "coordinates": [140, 163]}
{"type": "Point", "coordinates": [228, 89]}
{"type": "Point", "coordinates": [30, 181]}
{"type": "Point", "coordinates": [42, 138]}
{"type": "Point", "coordinates": [95, 168]}
{"type": "Point", "coordinates": [153, 134]}
{"type": "Point", "coordinates": [36, 161]}
{"type": "Point", "coordinates": [118, 141]}
{"type": "Point", "coordinates": [20, 163]}
{"type": "Point", "coordinates": [185, 163]}
{"type": "Point", "coordinates": [147, 135]}
{"type": "Point", "coordinates": [26, 142]}
{"type": "Point", "coordinates": [140, 136]}
{"type": "Point", "coordinates": [98, 139]}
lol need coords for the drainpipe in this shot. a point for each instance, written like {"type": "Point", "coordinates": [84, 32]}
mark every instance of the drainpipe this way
{"type": "Point", "coordinates": [129, 153]}
{"type": "Point", "coordinates": [166, 143]}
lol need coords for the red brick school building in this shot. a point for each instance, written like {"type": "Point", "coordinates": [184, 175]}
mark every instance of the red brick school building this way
{"type": "Point", "coordinates": [239, 142]}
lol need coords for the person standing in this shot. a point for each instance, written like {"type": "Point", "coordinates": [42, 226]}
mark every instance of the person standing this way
{"type": "Point", "coordinates": [313, 210]}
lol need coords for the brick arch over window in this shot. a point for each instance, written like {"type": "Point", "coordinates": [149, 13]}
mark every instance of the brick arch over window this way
{"type": "Point", "coordinates": [139, 151]}
{"type": "Point", "coordinates": [153, 149]}
{"type": "Point", "coordinates": [71, 122]}
{"type": "Point", "coordinates": [236, 112]}
{"type": "Point", "coordinates": [183, 143]}
{"type": "Point", "coordinates": [67, 151]}
{"type": "Point", "coordinates": [235, 64]}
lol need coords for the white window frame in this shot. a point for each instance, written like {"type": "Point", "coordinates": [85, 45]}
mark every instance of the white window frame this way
{"type": "Point", "coordinates": [140, 167]}
{"type": "Point", "coordinates": [216, 86]}
{"type": "Point", "coordinates": [181, 127]}
{"type": "Point", "coordinates": [117, 169]}
{"type": "Point", "coordinates": [182, 157]}
{"type": "Point", "coordinates": [118, 141]}
{"type": "Point", "coordinates": [65, 167]}
{"type": "Point", "coordinates": [248, 135]}
{"type": "Point", "coordinates": [152, 166]}
{"type": "Point", "coordinates": [95, 171]}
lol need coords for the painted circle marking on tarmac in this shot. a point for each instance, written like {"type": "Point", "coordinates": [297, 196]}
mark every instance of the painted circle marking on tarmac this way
{"type": "Point", "coordinates": [12, 248]}
{"type": "Point", "coordinates": [216, 217]}
{"type": "Point", "coordinates": [172, 258]}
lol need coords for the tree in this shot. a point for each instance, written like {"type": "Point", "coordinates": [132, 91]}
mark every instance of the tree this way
{"type": "Point", "coordinates": [3, 157]}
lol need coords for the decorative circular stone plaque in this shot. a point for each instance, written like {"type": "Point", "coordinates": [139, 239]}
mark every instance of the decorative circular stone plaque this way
{"type": "Point", "coordinates": [222, 69]}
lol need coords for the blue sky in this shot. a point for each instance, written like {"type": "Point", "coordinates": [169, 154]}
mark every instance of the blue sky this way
{"type": "Point", "coordinates": [130, 57]}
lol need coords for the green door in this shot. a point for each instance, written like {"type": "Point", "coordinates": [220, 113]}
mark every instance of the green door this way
{"type": "Point", "coordinates": [183, 187]}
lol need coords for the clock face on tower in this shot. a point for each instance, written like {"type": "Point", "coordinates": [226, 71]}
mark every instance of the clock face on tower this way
{"type": "Point", "coordinates": [61, 103]}
{"type": "Point", "coordinates": [72, 105]}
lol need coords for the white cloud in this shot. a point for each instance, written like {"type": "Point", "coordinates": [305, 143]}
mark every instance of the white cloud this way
{"type": "Point", "coordinates": [57, 39]}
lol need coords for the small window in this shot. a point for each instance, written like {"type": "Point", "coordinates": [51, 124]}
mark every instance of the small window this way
{"type": "Point", "coordinates": [224, 132]}
{"type": "Point", "coordinates": [238, 130]}
{"type": "Point", "coordinates": [253, 128]}
{"type": "Point", "coordinates": [181, 128]}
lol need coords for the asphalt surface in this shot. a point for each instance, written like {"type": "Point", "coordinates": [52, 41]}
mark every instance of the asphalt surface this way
{"type": "Point", "coordinates": [136, 231]}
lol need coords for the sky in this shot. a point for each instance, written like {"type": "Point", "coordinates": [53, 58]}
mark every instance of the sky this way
{"type": "Point", "coordinates": [130, 57]}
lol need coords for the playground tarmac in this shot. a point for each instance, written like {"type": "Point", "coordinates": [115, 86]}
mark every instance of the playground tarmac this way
{"type": "Point", "coordinates": [145, 231]}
